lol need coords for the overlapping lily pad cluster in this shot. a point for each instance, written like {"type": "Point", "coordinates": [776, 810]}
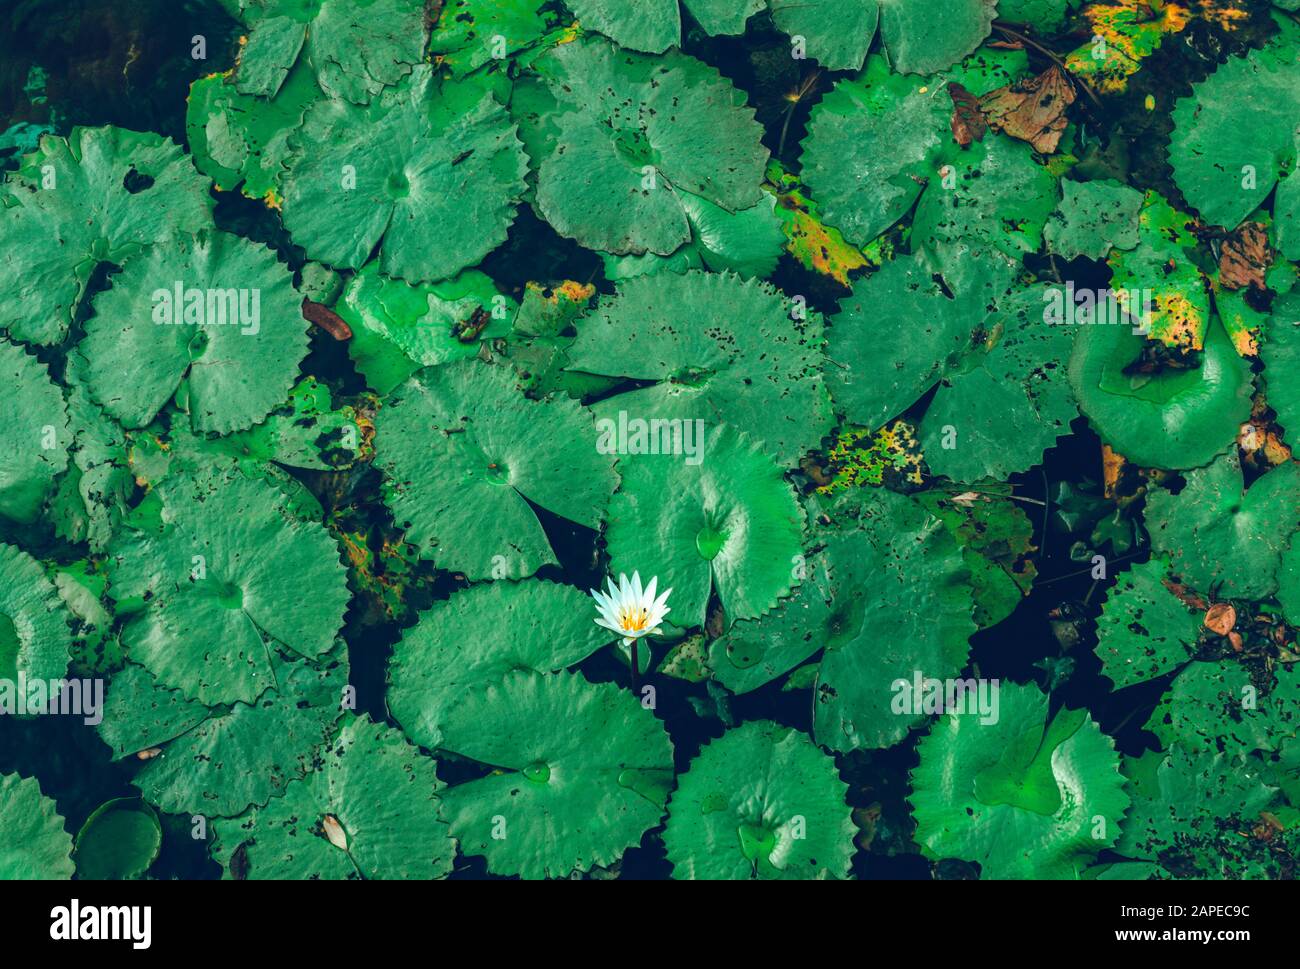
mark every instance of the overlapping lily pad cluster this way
{"type": "Point", "coordinates": [863, 339]}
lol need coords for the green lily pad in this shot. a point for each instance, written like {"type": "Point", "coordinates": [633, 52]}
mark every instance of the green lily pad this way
{"type": "Point", "coordinates": [414, 168]}
{"type": "Point", "coordinates": [1213, 707]}
{"type": "Point", "coordinates": [230, 573]}
{"type": "Point", "coordinates": [915, 618]}
{"type": "Point", "coordinates": [471, 33]}
{"type": "Point", "coordinates": [1223, 538]}
{"type": "Point", "coordinates": [33, 842]}
{"type": "Point", "coordinates": [1025, 797]}
{"type": "Point", "coordinates": [99, 196]}
{"type": "Point", "coordinates": [1226, 168]}
{"type": "Point", "coordinates": [878, 140]}
{"type": "Point", "coordinates": [398, 328]}
{"type": "Point", "coordinates": [235, 335]}
{"type": "Point", "coordinates": [367, 809]}
{"type": "Point", "coordinates": [582, 771]}
{"type": "Point", "coordinates": [478, 636]}
{"type": "Point", "coordinates": [761, 802]}
{"type": "Point", "coordinates": [1144, 630]}
{"type": "Point", "coordinates": [1093, 218]}
{"type": "Point", "coordinates": [1281, 356]}
{"type": "Point", "coordinates": [630, 133]}
{"type": "Point", "coordinates": [1190, 812]}
{"type": "Point", "coordinates": [354, 49]}
{"type": "Point", "coordinates": [35, 639]}
{"type": "Point", "coordinates": [734, 526]}
{"type": "Point", "coordinates": [34, 434]}
{"type": "Point", "coordinates": [1170, 418]}
{"type": "Point", "coordinates": [465, 453]}
{"type": "Point", "coordinates": [120, 840]}
{"type": "Point", "coordinates": [763, 375]}
{"type": "Point", "coordinates": [219, 761]}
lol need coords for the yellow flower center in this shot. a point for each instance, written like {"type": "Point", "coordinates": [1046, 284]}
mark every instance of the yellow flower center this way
{"type": "Point", "coordinates": [633, 620]}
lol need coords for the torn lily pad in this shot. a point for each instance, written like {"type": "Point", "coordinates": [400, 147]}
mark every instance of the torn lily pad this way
{"type": "Point", "coordinates": [472, 33]}
{"type": "Point", "coordinates": [1217, 707]}
{"type": "Point", "coordinates": [218, 761]}
{"type": "Point", "coordinates": [355, 50]}
{"type": "Point", "coordinates": [1223, 538]}
{"type": "Point", "coordinates": [1025, 797]}
{"type": "Point", "coordinates": [476, 637]}
{"type": "Point", "coordinates": [762, 802]}
{"type": "Point", "coordinates": [582, 771]}
{"type": "Point", "coordinates": [719, 350]}
{"type": "Point", "coordinates": [627, 133]}
{"type": "Point", "coordinates": [465, 456]}
{"type": "Point", "coordinates": [33, 841]}
{"type": "Point", "coordinates": [34, 434]}
{"type": "Point", "coordinates": [216, 312]}
{"type": "Point", "coordinates": [417, 167]}
{"type": "Point", "coordinates": [1158, 415]}
{"type": "Point", "coordinates": [35, 638]}
{"type": "Point", "coordinates": [1144, 630]}
{"type": "Point", "coordinates": [100, 196]}
{"type": "Point", "coordinates": [398, 328]}
{"type": "Point", "coordinates": [733, 525]}
{"type": "Point", "coordinates": [229, 573]}
{"type": "Point", "coordinates": [368, 809]}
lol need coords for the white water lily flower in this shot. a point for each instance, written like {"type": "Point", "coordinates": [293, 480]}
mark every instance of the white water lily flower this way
{"type": "Point", "coordinates": [630, 610]}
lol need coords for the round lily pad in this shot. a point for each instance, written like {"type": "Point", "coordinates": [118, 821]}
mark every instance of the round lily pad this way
{"type": "Point", "coordinates": [466, 455]}
{"type": "Point", "coordinates": [718, 349]}
{"type": "Point", "coordinates": [1171, 418]}
{"type": "Point", "coordinates": [34, 434]}
{"type": "Point", "coordinates": [216, 311]}
{"type": "Point", "coordinates": [761, 802]}
{"type": "Point", "coordinates": [733, 526]}
{"type": "Point", "coordinates": [230, 573]}
{"type": "Point", "coordinates": [368, 809]}
{"type": "Point", "coordinates": [478, 636]}
{"type": "Point", "coordinates": [98, 196]}
{"type": "Point", "coordinates": [415, 168]}
{"type": "Point", "coordinates": [582, 771]}
{"type": "Point", "coordinates": [33, 842]}
{"type": "Point", "coordinates": [1025, 796]}
{"type": "Point", "coordinates": [629, 133]}
{"type": "Point", "coordinates": [35, 638]}
{"type": "Point", "coordinates": [120, 840]}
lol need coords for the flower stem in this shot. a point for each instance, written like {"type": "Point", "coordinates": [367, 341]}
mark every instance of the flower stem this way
{"type": "Point", "coordinates": [634, 642]}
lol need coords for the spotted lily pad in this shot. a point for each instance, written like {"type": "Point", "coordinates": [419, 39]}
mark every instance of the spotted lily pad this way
{"type": "Point", "coordinates": [407, 172]}
{"type": "Point", "coordinates": [763, 803]}
{"type": "Point", "coordinates": [368, 809]}
{"type": "Point", "coordinates": [99, 196]}
{"type": "Point", "coordinates": [581, 772]}
{"type": "Point", "coordinates": [1144, 630]}
{"type": "Point", "coordinates": [466, 455]}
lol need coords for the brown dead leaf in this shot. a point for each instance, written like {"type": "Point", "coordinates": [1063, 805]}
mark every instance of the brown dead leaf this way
{"type": "Point", "coordinates": [334, 831]}
{"type": "Point", "coordinates": [326, 319]}
{"type": "Point", "coordinates": [1220, 618]}
{"type": "Point", "coordinates": [1032, 110]}
{"type": "Point", "coordinates": [148, 754]}
{"type": "Point", "coordinates": [1245, 257]}
{"type": "Point", "coordinates": [968, 121]}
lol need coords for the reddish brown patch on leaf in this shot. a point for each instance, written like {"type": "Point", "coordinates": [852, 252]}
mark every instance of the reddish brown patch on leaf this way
{"type": "Point", "coordinates": [1245, 258]}
{"type": "Point", "coordinates": [1220, 618]}
{"type": "Point", "coordinates": [326, 319]}
{"type": "Point", "coordinates": [968, 121]}
{"type": "Point", "coordinates": [1032, 110]}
